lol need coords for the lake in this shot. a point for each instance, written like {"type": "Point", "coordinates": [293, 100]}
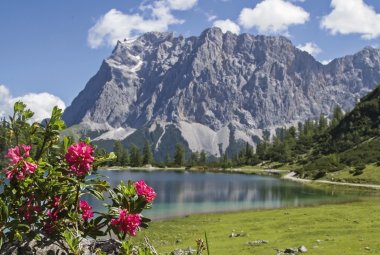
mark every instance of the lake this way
{"type": "Point", "coordinates": [184, 193]}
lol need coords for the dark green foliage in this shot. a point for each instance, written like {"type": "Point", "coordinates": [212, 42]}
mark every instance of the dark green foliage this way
{"type": "Point", "coordinates": [147, 153]}
{"type": "Point", "coordinates": [179, 155]}
{"type": "Point", "coordinates": [350, 140]}
{"type": "Point", "coordinates": [330, 163]}
{"type": "Point", "coordinates": [361, 124]}
{"type": "Point", "coordinates": [203, 158]}
{"type": "Point", "coordinates": [135, 156]}
{"type": "Point", "coordinates": [3, 142]}
{"type": "Point", "coordinates": [167, 159]}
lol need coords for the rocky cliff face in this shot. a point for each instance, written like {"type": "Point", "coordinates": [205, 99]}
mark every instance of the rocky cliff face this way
{"type": "Point", "coordinates": [217, 87]}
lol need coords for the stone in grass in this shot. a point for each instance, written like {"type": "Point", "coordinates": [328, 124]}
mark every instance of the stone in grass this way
{"type": "Point", "coordinates": [187, 251]}
{"type": "Point", "coordinates": [49, 247]}
{"type": "Point", "coordinates": [302, 249]}
{"type": "Point", "coordinates": [234, 234]}
{"type": "Point", "coordinates": [289, 251]}
{"type": "Point", "coordinates": [257, 242]}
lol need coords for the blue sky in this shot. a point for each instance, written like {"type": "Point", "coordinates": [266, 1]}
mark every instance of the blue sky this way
{"type": "Point", "coordinates": [55, 46]}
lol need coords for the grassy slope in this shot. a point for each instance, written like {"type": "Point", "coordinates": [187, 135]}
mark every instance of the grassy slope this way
{"type": "Point", "coordinates": [342, 229]}
{"type": "Point", "coordinates": [370, 175]}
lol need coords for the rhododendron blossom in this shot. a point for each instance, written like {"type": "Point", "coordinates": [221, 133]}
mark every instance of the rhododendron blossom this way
{"type": "Point", "coordinates": [23, 171]}
{"type": "Point", "coordinates": [79, 157]}
{"type": "Point", "coordinates": [29, 208]}
{"type": "Point", "coordinates": [14, 154]}
{"type": "Point", "coordinates": [86, 210]}
{"type": "Point", "coordinates": [127, 223]}
{"type": "Point", "coordinates": [52, 214]}
{"type": "Point", "coordinates": [144, 190]}
{"type": "Point", "coordinates": [20, 167]}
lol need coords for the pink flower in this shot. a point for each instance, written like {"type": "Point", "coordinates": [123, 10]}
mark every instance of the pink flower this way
{"type": "Point", "coordinates": [79, 157]}
{"type": "Point", "coordinates": [144, 190]}
{"type": "Point", "coordinates": [53, 215]}
{"type": "Point", "coordinates": [29, 208]}
{"type": "Point", "coordinates": [86, 210]}
{"type": "Point", "coordinates": [127, 223]}
{"type": "Point", "coordinates": [56, 201]}
{"type": "Point", "coordinates": [9, 174]}
{"type": "Point", "coordinates": [21, 170]}
{"type": "Point", "coordinates": [14, 155]}
{"type": "Point", "coordinates": [21, 167]}
{"type": "Point", "coordinates": [26, 149]}
{"type": "Point", "coordinates": [29, 167]}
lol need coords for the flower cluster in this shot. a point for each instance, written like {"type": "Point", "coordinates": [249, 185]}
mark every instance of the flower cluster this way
{"type": "Point", "coordinates": [20, 167]}
{"type": "Point", "coordinates": [127, 223]}
{"type": "Point", "coordinates": [86, 210]}
{"type": "Point", "coordinates": [29, 208]}
{"type": "Point", "coordinates": [53, 214]}
{"type": "Point", "coordinates": [45, 179]}
{"type": "Point", "coordinates": [145, 191]}
{"type": "Point", "coordinates": [79, 157]}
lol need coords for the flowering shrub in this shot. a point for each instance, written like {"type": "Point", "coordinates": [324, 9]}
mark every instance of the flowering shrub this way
{"type": "Point", "coordinates": [48, 180]}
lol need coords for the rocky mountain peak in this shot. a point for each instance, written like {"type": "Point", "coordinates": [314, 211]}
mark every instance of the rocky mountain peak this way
{"type": "Point", "coordinates": [218, 86]}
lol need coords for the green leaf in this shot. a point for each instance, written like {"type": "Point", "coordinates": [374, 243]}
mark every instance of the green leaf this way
{"type": "Point", "coordinates": [19, 106]}
{"type": "Point", "coordinates": [97, 194]}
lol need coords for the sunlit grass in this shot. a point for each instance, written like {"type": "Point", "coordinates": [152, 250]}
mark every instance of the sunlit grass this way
{"type": "Point", "coordinates": [370, 175]}
{"type": "Point", "coordinates": [351, 228]}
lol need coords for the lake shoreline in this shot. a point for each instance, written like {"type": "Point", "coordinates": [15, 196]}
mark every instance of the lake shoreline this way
{"type": "Point", "coordinates": [283, 174]}
{"type": "Point", "coordinates": [253, 171]}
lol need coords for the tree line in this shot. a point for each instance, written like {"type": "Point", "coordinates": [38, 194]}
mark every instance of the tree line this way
{"type": "Point", "coordinates": [134, 156]}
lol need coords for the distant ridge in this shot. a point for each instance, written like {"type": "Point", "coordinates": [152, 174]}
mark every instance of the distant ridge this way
{"type": "Point", "coordinates": [213, 92]}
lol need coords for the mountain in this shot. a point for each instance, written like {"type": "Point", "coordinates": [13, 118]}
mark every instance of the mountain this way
{"type": "Point", "coordinates": [353, 142]}
{"type": "Point", "coordinates": [215, 91]}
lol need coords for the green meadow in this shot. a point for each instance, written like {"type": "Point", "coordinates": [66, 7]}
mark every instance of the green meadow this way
{"type": "Point", "coordinates": [350, 228]}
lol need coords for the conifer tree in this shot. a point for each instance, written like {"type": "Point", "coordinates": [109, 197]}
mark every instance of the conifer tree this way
{"type": "Point", "coordinates": [167, 159]}
{"type": "Point", "coordinates": [179, 155]}
{"type": "Point", "coordinates": [147, 152]}
{"type": "Point", "coordinates": [118, 149]}
{"type": "Point", "coordinates": [337, 116]}
{"type": "Point", "coordinates": [135, 156]}
{"type": "Point", "coordinates": [203, 158]}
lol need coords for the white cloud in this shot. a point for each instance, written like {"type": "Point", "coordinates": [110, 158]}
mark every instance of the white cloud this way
{"type": "Point", "coordinates": [325, 62]}
{"type": "Point", "coordinates": [227, 25]}
{"type": "Point", "coordinates": [5, 97]}
{"type": "Point", "coordinates": [310, 47]}
{"type": "Point", "coordinates": [40, 103]}
{"type": "Point", "coordinates": [211, 17]}
{"type": "Point", "coordinates": [352, 17]}
{"type": "Point", "coordinates": [273, 16]}
{"type": "Point", "coordinates": [182, 4]}
{"type": "Point", "coordinates": [116, 25]}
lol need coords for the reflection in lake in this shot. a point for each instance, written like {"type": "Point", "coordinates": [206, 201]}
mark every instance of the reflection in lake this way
{"type": "Point", "coordinates": [180, 194]}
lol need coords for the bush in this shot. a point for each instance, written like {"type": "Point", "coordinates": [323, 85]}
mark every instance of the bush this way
{"type": "Point", "coordinates": [46, 181]}
{"type": "Point", "coordinates": [359, 169]}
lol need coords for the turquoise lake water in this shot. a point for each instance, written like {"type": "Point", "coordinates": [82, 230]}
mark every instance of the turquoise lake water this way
{"type": "Point", "coordinates": [180, 194]}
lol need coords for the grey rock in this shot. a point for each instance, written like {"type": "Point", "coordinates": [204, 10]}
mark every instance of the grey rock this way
{"type": "Point", "coordinates": [246, 82]}
{"type": "Point", "coordinates": [49, 247]}
{"type": "Point", "coordinates": [302, 249]}
{"type": "Point", "coordinates": [237, 234]}
{"type": "Point", "coordinates": [291, 250]}
{"type": "Point", "coordinates": [257, 242]}
{"type": "Point", "coordinates": [187, 251]}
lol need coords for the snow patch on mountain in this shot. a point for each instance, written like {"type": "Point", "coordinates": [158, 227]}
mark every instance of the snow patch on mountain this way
{"type": "Point", "coordinates": [116, 134]}
{"type": "Point", "coordinates": [200, 137]}
{"type": "Point", "coordinates": [94, 126]}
